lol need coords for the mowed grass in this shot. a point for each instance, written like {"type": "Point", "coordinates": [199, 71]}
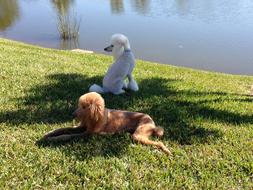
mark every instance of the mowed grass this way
{"type": "Point", "coordinates": [207, 117]}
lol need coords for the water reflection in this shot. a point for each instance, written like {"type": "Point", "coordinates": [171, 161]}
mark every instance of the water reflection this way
{"type": "Point", "coordinates": [67, 23]}
{"type": "Point", "coordinates": [9, 13]}
{"type": "Point", "coordinates": [182, 6]}
{"type": "Point", "coordinates": [70, 43]}
{"type": "Point", "coordinates": [141, 6]}
{"type": "Point", "coordinates": [62, 6]}
{"type": "Point", "coordinates": [117, 6]}
{"type": "Point", "coordinates": [209, 11]}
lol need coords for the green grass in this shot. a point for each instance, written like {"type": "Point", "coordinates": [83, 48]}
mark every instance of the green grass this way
{"type": "Point", "coordinates": [207, 117]}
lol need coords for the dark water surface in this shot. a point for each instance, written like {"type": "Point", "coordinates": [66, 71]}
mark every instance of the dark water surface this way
{"type": "Point", "coordinates": [212, 35]}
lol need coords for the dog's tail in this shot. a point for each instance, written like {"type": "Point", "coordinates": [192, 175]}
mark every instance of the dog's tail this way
{"type": "Point", "coordinates": [96, 88]}
{"type": "Point", "coordinates": [158, 131]}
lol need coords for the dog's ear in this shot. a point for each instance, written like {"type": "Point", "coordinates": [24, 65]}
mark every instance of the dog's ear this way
{"type": "Point", "coordinates": [96, 112]}
{"type": "Point", "coordinates": [125, 43]}
{"type": "Point", "coordinates": [122, 43]}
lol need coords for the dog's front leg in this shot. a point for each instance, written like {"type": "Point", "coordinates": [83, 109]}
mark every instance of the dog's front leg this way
{"type": "Point", "coordinates": [64, 131]}
{"type": "Point", "coordinates": [66, 137]}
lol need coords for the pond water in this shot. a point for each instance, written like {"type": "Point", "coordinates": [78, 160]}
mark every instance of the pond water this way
{"type": "Point", "coordinates": [214, 35]}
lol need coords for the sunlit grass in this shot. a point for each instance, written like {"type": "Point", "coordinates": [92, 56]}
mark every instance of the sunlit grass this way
{"type": "Point", "coordinates": [207, 119]}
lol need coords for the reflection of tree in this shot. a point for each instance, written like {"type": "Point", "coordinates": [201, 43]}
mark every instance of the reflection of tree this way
{"type": "Point", "coordinates": [62, 6]}
{"type": "Point", "coordinates": [183, 7]}
{"type": "Point", "coordinates": [9, 12]}
{"type": "Point", "coordinates": [117, 6]}
{"type": "Point", "coordinates": [68, 24]}
{"type": "Point", "coordinates": [69, 44]}
{"type": "Point", "coordinates": [141, 6]}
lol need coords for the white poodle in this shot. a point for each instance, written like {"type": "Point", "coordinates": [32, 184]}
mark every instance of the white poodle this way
{"type": "Point", "coordinates": [122, 68]}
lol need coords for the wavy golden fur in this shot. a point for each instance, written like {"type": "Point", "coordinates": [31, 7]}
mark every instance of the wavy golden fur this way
{"type": "Point", "coordinates": [95, 118]}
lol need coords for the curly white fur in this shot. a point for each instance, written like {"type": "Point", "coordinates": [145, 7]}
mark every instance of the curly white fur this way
{"type": "Point", "coordinates": [122, 68]}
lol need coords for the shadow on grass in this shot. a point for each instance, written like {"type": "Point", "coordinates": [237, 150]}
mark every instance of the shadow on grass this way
{"type": "Point", "coordinates": [91, 146]}
{"type": "Point", "coordinates": [178, 111]}
{"type": "Point", "coordinates": [50, 103]}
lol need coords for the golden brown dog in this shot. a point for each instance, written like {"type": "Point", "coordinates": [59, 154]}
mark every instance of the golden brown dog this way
{"type": "Point", "coordinates": [96, 119]}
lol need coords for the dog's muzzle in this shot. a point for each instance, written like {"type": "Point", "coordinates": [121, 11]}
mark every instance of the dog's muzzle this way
{"type": "Point", "coordinates": [109, 48]}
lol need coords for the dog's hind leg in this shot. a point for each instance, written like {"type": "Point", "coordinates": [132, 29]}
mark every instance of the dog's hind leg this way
{"type": "Point", "coordinates": [132, 84]}
{"type": "Point", "coordinates": [142, 135]}
{"type": "Point", "coordinates": [145, 140]}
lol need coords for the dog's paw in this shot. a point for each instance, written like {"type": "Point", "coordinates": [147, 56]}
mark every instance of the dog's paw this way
{"type": "Point", "coordinates": [96, 88]}
{"type": "Point", "coordinates": [132, 85]}
{"type": "Point", "coordinates": [119, 92]}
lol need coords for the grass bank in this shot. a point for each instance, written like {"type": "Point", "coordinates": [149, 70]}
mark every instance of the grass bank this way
{"type": "Point", "coordinates": [207, 118]}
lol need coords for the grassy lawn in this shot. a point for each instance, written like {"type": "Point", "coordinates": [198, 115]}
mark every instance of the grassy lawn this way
{"type": "Point", "coordinates": [207, 117]}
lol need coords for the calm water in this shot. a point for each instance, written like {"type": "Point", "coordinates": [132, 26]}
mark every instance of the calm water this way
{"type": "Point", "coordinates": [212, 35]}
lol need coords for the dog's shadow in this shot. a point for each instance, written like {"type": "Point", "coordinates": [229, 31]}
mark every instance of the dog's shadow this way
{"type": "Point", "coordinates": [178, 111]}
